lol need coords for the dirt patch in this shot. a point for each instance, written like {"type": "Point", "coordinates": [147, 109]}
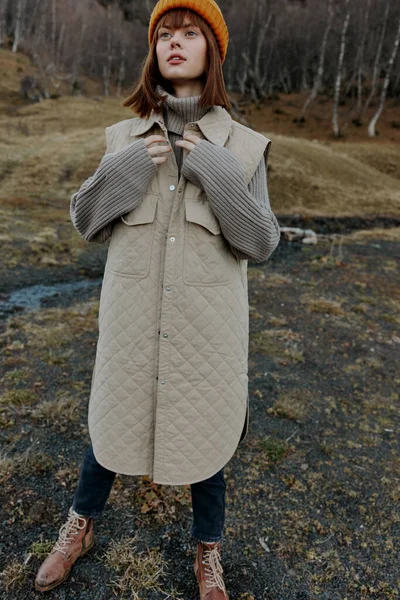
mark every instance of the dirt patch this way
{"type": "Point", "coordinates": [312, 493]}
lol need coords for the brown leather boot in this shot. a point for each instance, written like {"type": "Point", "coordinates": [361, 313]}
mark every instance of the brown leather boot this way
{"type": "Point", "coordinates": [74, 540]}
{"type": "Point", "coordinates": [208, 571]}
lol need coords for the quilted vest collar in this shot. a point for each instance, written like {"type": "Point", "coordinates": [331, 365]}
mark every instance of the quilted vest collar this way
{"type": "Point", "coordinates": [215, 125]}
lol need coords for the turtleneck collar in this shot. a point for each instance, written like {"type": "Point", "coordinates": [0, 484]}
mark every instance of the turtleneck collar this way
{"type": "Point", "coordinates": [179, 111]}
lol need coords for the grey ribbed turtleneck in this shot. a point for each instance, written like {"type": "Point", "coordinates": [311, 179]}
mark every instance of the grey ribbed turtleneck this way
{"type": "Point", "coordinates": [122, 179]}
{"type": "Point", "coordinates": [177, 112]}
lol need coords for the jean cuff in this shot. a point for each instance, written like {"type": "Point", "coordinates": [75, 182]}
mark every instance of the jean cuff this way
{"type": "Point", "coordinates": [88, 515]}
{"type": "Point", "coordinates": [205, 538]}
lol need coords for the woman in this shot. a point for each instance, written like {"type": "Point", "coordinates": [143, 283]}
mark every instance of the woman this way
{"type": "Point", "coordinates": [182, 194]}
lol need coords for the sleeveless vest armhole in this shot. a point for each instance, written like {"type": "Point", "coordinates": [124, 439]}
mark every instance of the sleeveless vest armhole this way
{"type": "Point", "coordinates": [266, 152]}
{"type": "Point", "coordinates": [109, 134]}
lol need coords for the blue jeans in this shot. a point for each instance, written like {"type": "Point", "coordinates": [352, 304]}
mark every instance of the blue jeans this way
{"type": "Point", "coordinates": [208, 498]}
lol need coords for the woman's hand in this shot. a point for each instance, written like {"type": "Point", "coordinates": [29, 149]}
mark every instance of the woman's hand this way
{"type": "Point", "coordinates": [189, 141]}
{"type": "Point", "coordinates": [155, 150]}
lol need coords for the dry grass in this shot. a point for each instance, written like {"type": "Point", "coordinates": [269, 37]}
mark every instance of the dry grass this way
{"type": "Point", "coordinates": [387, 235]}
{"type": "Point", "coordinates": [279, 344]}
{"type": "Point", "coordinates": [14, 575]}
{"type": "Point", "coordinates": [277, 279]}
{"type": "Point", "coordinates": [23, 463]}
{"type": "Point", "coordinates": [17, 398]}
{"type": "Point", "coordinates": [293, 405]}
{"type": "Point", "coordinates": [312, 178]}
{"type": "Point", "coordinates": [322, 305]}
{"type": "Point", "coordinates": [138, 572]}
{"type": "Point", "coordinates": [50, 148]}
{"type": "Point", "coordinates": [384, 157]}
{"type": "Point", "coordinates": [57, 412]}
{"type": "Point", "coordinates": [8, 465]}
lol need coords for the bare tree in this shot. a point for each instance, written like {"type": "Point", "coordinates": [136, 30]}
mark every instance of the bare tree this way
{"type": "Point", "coordinates": [18, 25]}
{"type": "Point", "coordinates": [2, 22]}
{"type": "Point", "coordinates": [275, 45]}
{"type": "Point", "coordinates": [377, 63]}
{"type": "Point", "coordinates": [109, 57]}
{"type": "Point", "coordinates": [321, 65]}
{"type": "Point", "coordinates": [53, 27]}
{"type": "Point", "coordinates": [338, 81]}
{"type": "Point", "coordinates": [122, 63]}
{"type": "Point", "coordinates": [361, 58]}
{"type": "Point", "coordinates": [374, 120]}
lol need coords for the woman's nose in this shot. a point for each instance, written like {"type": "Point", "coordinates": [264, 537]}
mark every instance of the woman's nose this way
{"type": "Point", "coordinates": [174, 41]}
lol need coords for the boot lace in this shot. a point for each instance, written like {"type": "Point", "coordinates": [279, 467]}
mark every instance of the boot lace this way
{"type": "Point", "coordinates": [213, 568]}
{"type": "Point", "coordinates": [71, 528]}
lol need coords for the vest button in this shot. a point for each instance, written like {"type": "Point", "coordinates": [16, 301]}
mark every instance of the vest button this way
{"type": "Point", "coordinates": [163, 381]}
{"type": "Point", "coordinates": [172, 187]}
{"type": "Point", "coordinates": [165, 335]}
{"type": "Point", "coordinates": [171, 239]}
{"type": "Point", "coordinates": [168, 289]}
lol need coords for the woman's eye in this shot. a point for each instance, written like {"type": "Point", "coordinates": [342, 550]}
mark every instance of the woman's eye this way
{"type": "Point", "coordinates": [166, 33]}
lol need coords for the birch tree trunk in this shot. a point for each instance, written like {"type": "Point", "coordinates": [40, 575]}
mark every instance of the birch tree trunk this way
{"type": "Point", "coordinates": [304, 64]}
{"type": "Point", "coordinates": [241, 79]}
{"type": "Point", "coordinates": [257, 58]}
{"type": "Point", "coordinates": [336, 130]}
{"type": "Point", "coordinates": [108, 61]}
{"type": "Point", "coordinates": [377, 63]}
{"type": "Point", "coordinates": [320, 70]}
{"type": "Point", "coordinates": [40, 33]}
{"type": "Point", "coordinates": [374, 120]}
{"type": "Point", "coordinates": [76, 71]}
{"type": "Point", "coordinates": [3, 32]}
{"type": "Point", "coordinates": [360, 66]}
{"type": "Point", "coordinates": [60, 44]}
{"type": "Point", "coordinates": [53, 28]}
{"type": "Point", "coordinates": [18, 25]}
{"type": "Point", "coordinates": [121, 71]}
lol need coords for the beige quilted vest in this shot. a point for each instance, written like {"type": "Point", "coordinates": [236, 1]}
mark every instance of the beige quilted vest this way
{"type": "Point", "coordinates": [169, 395]}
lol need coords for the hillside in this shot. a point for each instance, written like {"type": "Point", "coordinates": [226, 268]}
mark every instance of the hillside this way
{"type": "Point", "coordinates": [313, 492]}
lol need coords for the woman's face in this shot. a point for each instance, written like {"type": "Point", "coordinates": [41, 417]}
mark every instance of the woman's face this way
{"type": "Point", "coordinates": [190, 43]}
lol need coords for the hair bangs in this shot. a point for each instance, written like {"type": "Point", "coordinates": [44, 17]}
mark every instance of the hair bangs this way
{"type": "Point", "coordinates": [178, 17]}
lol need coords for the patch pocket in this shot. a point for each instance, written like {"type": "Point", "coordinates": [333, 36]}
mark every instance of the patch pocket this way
{"type": "Point", "coordinates": [131, 246]}
{"type": "Point", "coordinates": [207, 259]}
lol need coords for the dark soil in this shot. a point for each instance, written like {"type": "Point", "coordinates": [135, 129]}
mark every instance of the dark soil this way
{"type": "Point", "coordinates": [342, 225]}
{"type": "Point", "coordinates": [312, 494]}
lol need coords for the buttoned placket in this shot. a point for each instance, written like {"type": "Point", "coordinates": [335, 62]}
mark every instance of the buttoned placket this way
{"type": "Point", "coordinates": [169, 255]}
{"type": "Point", "coordinates": [166, 310]}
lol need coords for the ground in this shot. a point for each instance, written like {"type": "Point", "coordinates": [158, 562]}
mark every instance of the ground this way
{"type": "Point", "coordinates": [313, 492]}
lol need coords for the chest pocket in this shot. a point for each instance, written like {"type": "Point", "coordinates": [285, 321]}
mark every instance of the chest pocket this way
{"type": "Point", "coordinates": [131, 245]}
{"type": "Point", "coordinates": [207, 259]}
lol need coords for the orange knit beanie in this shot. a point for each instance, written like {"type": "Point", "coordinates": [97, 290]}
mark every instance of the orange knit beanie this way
{"type": "Point", "coordinates": [208, 9]}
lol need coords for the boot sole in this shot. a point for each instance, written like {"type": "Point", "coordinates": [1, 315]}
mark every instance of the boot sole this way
{"type": "Point", "coordinates": [60, 581]}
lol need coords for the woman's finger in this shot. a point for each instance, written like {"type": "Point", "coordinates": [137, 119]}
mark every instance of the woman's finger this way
{"type": "Point", "coordinates": [158, 150]}
{"type": "Point", "coordinates": [154, 138]}
{"type": "Point", "coordinates": [185, 144]}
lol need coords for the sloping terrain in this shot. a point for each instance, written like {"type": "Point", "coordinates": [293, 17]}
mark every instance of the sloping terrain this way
{"type": "Point", "coordinates": [313, 493]}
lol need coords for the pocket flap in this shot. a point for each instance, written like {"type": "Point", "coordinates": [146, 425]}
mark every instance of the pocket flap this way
{"type": "Point", "coordinates": [144, 213]}
{"type": "Point", "coordinates": [202, 214]}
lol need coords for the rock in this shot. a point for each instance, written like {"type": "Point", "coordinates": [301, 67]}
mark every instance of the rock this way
{"type": "Point", "coordinates": [292, 234]}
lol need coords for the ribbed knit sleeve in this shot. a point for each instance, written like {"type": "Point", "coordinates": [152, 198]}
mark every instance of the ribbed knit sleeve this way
{"type": "Point", "coordinates": [243, 211]}
{"type": "Point", "coordinates": [118, 186]}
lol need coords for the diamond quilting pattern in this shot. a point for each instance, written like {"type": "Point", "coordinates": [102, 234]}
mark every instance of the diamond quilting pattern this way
{"type": "Point", "coordinates": [185, 429]}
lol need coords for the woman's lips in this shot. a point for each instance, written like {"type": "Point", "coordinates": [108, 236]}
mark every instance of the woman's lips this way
{"type": "Point", "coordinates": [176, 61]}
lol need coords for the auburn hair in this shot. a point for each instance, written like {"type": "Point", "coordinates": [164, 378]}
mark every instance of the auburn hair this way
{"type": "Point", "coordinates": [144, 98]}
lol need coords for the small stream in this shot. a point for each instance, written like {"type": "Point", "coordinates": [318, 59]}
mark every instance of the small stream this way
{"type": "Point", "coordinates": [64, 294]}
{"type": "Point", "coordinates": [41, 295]}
